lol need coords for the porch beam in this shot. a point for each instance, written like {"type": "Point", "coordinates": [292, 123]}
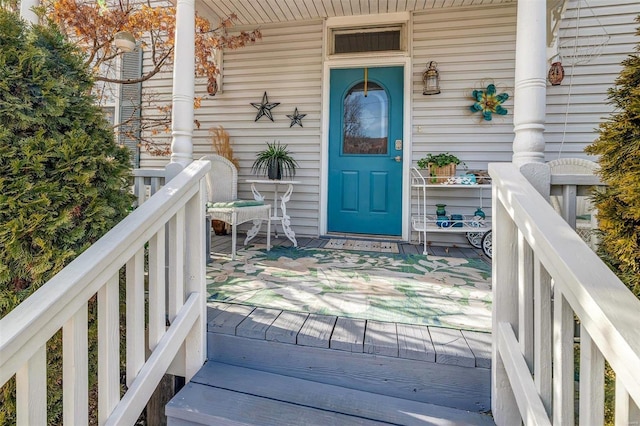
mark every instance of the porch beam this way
{"type": "Point", "coordinates": [530, 93]}
{"type": "Point", "coordinates": [183, 88]}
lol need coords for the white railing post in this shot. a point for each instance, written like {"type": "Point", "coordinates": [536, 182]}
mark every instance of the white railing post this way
{"type": "Point", "coordinates": [525, 299]}
{"type": "Point", "coordinates": [591, 381]}
{"type": "Point", "coordinates": [108, 348]}
{"type": "Point", "coordinates": [195, 281]}
{"type": "Point", "coordinates": [543, 338]}
{"type": "Point", "coordinates": [135, 308]}
{"type": "Point", "coordinates": [75, 370]}
{"type": "Point", "coordinates": [157, 289]}
{"type": "Point", "coordinates": [505, 309]}
{"type": "Point", "coordinates": [31, 390]}
{"type": "Point", "coordinates": [626, 411]}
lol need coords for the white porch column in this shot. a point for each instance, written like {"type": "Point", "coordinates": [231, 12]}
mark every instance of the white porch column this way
{"type": "Point", "coordinates": [183, 88]}
{"type": "Point", "coordinates": [26, 11]}
{"type": "Point", "coordinates": [530, 93]}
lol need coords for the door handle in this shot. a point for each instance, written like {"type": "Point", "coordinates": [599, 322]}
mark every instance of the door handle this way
{"type": "Point", "coordinates": [397, 158]}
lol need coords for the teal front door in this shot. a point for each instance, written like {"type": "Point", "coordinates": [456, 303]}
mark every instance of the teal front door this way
{"type": "Point", "coordinates": [365, 151]}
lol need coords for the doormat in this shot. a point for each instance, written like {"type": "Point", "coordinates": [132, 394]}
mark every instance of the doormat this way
{"type": "Point", "coordinates": [361, 245]}
{"type": "Point", "coordinates": [402, 288]}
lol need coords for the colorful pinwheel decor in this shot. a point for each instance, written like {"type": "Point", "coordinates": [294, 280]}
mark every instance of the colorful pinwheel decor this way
{"type": "Point", "coordinates": [488, 102]}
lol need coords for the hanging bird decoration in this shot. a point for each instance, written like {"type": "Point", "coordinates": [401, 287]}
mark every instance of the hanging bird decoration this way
{"type": "Point", "coordinates": [488, 102]}
{"type": "Point", "coordinates": [296, 118]}
{"type": "Point", "coordinates": [264, 108]}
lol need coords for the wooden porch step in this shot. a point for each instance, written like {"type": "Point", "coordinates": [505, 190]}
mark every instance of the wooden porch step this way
{"type": "Point", "coordinates": [426, 364]}
{"type": "Point", "coordinates": [226, 394]}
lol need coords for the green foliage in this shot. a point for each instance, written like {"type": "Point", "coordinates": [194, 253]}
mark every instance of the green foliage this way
{"type": "Point", "coordinates": [438, 160]}
{"type": "Point", "coordinates": [63, 179]}
{"type": "Point", "coordinates": [619, 149]}
{"type": "Point", "coordinates": [275, 156]}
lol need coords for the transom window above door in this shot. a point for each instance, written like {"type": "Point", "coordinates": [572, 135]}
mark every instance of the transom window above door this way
{"type": "Point", "coordinates": [362, 40]}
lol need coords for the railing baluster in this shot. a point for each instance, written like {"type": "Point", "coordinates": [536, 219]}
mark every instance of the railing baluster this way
{"type": "Point", "coordinates": [176, 263]}
{"type": "Point", "coordinates": [108, 348]}
{"type": "Point", "coordinates": [75, 371]}
{"type": "Point", "coordinates": [542, 336]}
{"type": "Point", "coordinates": [135, 316]}
{"type": "Point", "coordinates": [563, 368]}
{"type": "Point", "coordinates": [591, 381]}
{"type": "Point", "coordinates": [569, 201]}
{"type": "Point", "coordinates": [627, 412]}
{"type": "Point", "coordinates": [157, 302]}
{"type": "Point", "coordinates": [31, 390]}
{"type": "Point", "coordinates": [525, 299]}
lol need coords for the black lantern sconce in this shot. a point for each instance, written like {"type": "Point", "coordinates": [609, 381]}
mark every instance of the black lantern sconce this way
{"type": "Point", "coordinates": [431, 80]}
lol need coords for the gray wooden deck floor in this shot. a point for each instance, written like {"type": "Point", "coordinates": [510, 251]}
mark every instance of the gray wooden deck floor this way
{"type": "Point", "coordinates": [222, 244]}
{"type": "Point", "coordinates": [406, 341]}
{"type": "Point", "coordinates": [275, 367]}
{"type": "Point", "coordinates": [415, 342]}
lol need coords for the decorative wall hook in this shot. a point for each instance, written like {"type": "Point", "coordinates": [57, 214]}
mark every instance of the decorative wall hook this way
{"type": "Point", "coordinates": [431, 79]}
{"type": "Point", "coordinates": [264, 108]}
{"type": "Point", "coordinates": [488, 102]}
{"type": "Point", "coordinates": [296, 118]}
{"type": "Point", "coordinates": [556, 74]}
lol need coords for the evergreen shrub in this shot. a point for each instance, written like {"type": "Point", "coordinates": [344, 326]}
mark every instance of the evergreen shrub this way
{"type": "Point", "coordinates": [619, 149]}
{"type": "Point", "coordinates": [64, 182]}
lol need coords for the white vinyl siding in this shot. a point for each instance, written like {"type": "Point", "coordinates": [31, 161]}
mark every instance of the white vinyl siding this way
{"type": "Point", "coordinates": [588, 105]}
{"type": "Point", "coordinates": [287, 64]}
{"type": "Point", "coordinates": [473, 46]}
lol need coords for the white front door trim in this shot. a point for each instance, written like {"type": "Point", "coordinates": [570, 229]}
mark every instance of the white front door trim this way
{"type": "Point", "coordinates": [373, 60]}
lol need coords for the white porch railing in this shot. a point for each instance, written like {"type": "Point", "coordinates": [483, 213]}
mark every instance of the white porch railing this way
{"type": "Point", "coordinates": [147, 182]}
{"type": "Point", "coordinates": [178, 210]}
{"type": "Point", "coordinates": [543, 276]}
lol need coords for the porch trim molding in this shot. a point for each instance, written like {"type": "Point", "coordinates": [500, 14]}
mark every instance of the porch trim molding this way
{"type": "Point", "coordinates": [368, 20]}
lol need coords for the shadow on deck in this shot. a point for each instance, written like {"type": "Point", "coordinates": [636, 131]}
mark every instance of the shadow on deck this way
{"type": "Point", "coordinates": [271, 366]}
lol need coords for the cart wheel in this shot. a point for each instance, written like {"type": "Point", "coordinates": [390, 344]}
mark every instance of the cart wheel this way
{"type": "Point", "coordinates": [486, 244]}
{"type": "Point", "coordinates": [475, 239]}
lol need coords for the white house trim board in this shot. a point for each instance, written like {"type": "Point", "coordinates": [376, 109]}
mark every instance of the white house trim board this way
{"type": "Point", "coordinates": [375, 59]}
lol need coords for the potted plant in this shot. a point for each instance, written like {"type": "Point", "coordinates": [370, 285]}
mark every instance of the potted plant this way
{"type": "Point", "coordinates": [275, 161]}
{"type": "Point", "coordinates": [440, 166]}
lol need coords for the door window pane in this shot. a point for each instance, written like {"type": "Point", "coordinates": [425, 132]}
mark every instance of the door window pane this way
{"type": "Point", "coordinates": [366, 120]}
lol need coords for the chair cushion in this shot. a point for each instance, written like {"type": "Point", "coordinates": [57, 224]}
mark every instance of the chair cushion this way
{"type": "Point", "coordinates": [235, 203]}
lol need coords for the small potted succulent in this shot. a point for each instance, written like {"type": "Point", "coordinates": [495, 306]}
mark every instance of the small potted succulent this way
{"type": "Point", "coordinates": [275, 161]}
{"type": "Point", "coordinates": [440, 166]}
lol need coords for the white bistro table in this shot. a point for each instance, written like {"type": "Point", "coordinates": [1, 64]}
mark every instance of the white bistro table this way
{"type": "Point", "coordinates": [284, 218]}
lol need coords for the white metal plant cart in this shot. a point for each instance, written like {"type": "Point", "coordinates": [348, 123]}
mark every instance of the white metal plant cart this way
{"type": "Point", "coordinates": [476, 228]}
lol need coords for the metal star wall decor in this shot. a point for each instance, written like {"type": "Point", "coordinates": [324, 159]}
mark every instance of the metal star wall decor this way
{"type": "Point", "coordinates": [264, 108]}
{"type": "Point", "coordinates": [296, 118]}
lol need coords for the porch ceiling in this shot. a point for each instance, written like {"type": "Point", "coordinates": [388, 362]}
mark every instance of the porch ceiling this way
{"type": "Point", "coordinates": [256, 12]}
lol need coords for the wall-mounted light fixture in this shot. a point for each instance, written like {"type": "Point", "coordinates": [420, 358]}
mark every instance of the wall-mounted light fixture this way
{"type": "Point", "coordinates": [124, 41]}
{"type": "Point", "coordinates": [431, 80]}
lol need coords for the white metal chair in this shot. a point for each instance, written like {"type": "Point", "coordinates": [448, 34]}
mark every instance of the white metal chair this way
{"type": "Point", "coordinates": [585, 212]}
{"type": "Point", "coordinates": [223, 203]}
